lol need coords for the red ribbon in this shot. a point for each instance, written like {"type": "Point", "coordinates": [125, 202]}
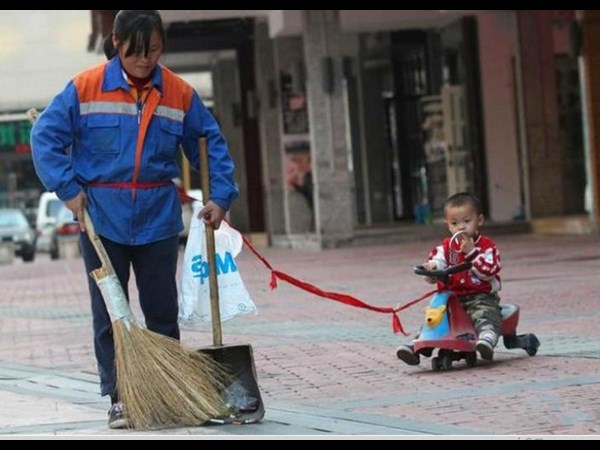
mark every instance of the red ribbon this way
{"type": "Point", "coordinates": [342, 298]}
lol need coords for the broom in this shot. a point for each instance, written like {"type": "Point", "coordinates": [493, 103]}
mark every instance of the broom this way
{"type": "Point", "coordinates": [160, 382]}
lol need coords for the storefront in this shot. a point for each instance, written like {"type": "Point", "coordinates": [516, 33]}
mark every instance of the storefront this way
{"type": "Point", "coordinates": [19, 185]}
{"type": "Point", "coordinates": [353, 120]}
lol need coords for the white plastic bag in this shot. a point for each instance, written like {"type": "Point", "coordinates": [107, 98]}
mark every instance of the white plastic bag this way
{"type": "Point", "coordinates": [194, 303]}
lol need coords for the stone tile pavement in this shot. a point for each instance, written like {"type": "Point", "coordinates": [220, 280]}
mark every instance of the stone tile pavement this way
{"type": "Point", "coordinates": [326, 369]}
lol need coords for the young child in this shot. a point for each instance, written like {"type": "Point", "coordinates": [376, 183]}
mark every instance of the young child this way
{"type": "Point", "coordinates": [478, 287]}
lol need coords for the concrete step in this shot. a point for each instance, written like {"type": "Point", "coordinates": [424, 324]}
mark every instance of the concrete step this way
{"type": "Point", "coordinates": [427, 233]}
{"type": "Point", "coordinates": [566, 225]}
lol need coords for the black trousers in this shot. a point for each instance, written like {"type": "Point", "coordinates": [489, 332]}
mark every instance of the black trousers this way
{"type": "Point", "coordinates": [155, 269]}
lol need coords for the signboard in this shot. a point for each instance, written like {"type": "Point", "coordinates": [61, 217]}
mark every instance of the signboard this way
{"type": "Point", "coordinates": [14, 137]}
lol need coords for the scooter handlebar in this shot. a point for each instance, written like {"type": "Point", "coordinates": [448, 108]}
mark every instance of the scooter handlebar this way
{"type": "Point", "coordinates": [443, 274]}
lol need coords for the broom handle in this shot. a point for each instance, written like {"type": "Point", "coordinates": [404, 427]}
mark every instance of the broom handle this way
{"type": "Point", "coordinates": [106, 278]}
{"type": "Point", "coordinates": [215, 309]}
{"type": "Point", "coordinates": [107, 266]}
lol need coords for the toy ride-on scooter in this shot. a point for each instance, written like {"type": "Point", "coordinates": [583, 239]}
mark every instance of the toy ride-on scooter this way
{"type": "Point", "coordinates": [449, 328]}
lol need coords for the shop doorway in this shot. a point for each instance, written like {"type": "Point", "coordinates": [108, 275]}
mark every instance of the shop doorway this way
{"type": "Point", "coordinates": [435, 130]}
{"type": "Point", "coordinates": [462, 110]}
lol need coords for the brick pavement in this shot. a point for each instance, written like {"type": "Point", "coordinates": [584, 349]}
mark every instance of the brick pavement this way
{"type": "Point", "coordinates": [327, 368]}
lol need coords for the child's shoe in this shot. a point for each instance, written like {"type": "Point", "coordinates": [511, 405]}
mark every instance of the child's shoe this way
{"type": "Point", "coordinates": [407, 354]}
{"type": "Point", "coordinates": [485, 344]}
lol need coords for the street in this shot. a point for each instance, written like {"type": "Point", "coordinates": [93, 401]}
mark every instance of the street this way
{"type": "Point", "coordinates": [325, 368]}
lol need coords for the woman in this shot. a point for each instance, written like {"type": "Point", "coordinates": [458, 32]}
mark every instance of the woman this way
{"type": "Point", "coordinates": [124, 122]}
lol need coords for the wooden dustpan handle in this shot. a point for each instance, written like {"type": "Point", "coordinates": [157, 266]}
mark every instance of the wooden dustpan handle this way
{"type": "Point", "coordinates": [215, 309]}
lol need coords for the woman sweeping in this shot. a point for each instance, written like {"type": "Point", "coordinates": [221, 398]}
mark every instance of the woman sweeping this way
{"type": "Point", "coordinates": [122, 124]}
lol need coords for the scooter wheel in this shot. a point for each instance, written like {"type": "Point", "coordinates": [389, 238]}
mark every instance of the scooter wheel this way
{"type": "Point", "coordinates": [531, 351]}
{"type": "Point", "coordinates": [436, 364]}
{"type": "Point", "coordinates": [447, 362]}
{"type": "Point", "coordinates": [471, 359]}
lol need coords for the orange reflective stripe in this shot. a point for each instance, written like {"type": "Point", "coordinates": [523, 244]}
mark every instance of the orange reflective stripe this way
{"type": "Point", "coordinates": [152, 102]}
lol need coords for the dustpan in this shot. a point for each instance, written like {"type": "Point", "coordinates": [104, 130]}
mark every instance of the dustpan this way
{"type": "Point", "coordinates": [241, 393]}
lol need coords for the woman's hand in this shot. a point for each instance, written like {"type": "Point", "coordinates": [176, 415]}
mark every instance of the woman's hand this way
{"type": "Point", "coordinates": [77, 206]}
{"type": "Point", "coordinates": [212, 214]}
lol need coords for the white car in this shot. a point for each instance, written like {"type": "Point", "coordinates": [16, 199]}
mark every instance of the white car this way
{"type": "Point", "coordinates": [15, 228]}
{"type": "Point", "coordinates": [48, 209]}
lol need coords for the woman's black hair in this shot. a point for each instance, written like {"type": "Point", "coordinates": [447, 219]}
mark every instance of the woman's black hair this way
{"type": "Point", "coordinates": [135, 26]}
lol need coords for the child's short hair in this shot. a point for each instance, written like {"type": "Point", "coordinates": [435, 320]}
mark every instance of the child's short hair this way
{"type": "Point", "coordinates": [462, 199]}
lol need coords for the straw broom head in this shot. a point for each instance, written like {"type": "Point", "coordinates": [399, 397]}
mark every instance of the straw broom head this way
{"type": "Point", "coordinates": [163, 384]}
{"type": "Point", "coordinates": [160, 383]}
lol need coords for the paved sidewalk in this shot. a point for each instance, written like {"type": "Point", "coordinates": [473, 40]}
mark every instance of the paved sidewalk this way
{"type": "Point", "coordinates": [324, 368]}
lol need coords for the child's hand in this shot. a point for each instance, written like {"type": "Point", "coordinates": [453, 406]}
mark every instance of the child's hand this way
{"type": "Point", "coordinates": [466, 244]}
{"type": "Point", "coordinates": [430, 265]}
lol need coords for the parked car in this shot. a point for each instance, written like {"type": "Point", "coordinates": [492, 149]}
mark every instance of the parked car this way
{"type": "Point", "coordinates": [14, 226]}
{"type": "Point", "coordinates": [65, 228]}
{"type": "Point", "coordinates": [48, 209]}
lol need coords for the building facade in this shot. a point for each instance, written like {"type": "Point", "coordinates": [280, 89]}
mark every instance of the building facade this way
{"type": "Point", "coordinates": [342, 121]}
{"type": "Point", "coordinates": [39, 51]}
{"type": "Point", "coordinates": [368, 119]}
